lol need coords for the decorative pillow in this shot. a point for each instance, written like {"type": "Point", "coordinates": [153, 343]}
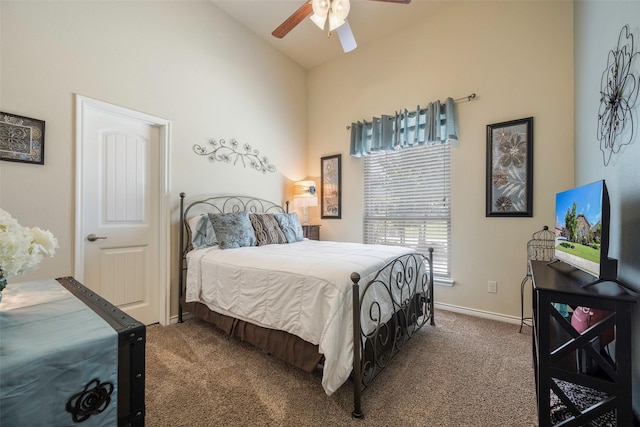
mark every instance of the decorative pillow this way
{"type": "Point", "coordinates": [267, 229]}
{"type": "Point", "coordinates": [290, 225]}
{"type": "Point", "coordinates": [202, 234]}
{"type": "Point", "coordinates": [233, 230]}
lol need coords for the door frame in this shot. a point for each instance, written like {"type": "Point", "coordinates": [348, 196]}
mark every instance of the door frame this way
{"type": "Point", "coordinates": [82, 103]}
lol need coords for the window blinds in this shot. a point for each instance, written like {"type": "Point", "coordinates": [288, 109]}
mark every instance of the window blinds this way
{"type": "Point", "coordinates": [407, 201]}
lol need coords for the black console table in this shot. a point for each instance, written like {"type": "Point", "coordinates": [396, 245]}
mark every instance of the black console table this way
{"type": "Point", "coordinates": [555, 342]}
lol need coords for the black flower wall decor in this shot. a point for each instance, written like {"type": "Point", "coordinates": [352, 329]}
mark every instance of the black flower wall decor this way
{"type": "Point", "coordinates": [618, 96]}
{"type": "Point", "coordinates": [225, 152]}
{"type": "Point", "coordinates": [510, 168]}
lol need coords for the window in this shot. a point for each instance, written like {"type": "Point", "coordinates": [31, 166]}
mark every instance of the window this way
{"type": "Point", "coordinates": [407, 202]}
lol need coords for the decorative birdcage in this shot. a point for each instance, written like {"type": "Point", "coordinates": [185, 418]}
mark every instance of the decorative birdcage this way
{"type": "Point", "coordinates": [541, 247]}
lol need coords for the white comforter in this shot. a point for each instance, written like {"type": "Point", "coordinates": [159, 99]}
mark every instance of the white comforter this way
{"type": "Point", "coordinates": [303, 288]}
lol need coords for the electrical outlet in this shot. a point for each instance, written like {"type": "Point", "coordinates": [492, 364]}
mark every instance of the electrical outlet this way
{"type": "Point", "coordinates": [492, 286]}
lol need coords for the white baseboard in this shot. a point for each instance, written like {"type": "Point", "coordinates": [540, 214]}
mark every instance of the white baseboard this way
{"type": "Point", "coordinates": [174, 319]}
{"type": "Point", "coordinates": [477, 313]}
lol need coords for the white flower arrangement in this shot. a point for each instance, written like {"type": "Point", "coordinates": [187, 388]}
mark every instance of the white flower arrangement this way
{"type": "Point", "coordinates": [22, 248]}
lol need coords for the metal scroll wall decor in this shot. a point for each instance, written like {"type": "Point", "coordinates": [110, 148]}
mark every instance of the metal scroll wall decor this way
{"type": "Point", "coordinates": [21, 139]}
{"type": "Point", "coordinates": [225, 152]}
{"type": "Point", "coordinates": [618, 96]}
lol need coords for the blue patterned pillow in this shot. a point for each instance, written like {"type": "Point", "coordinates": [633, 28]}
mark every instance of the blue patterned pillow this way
{"type": "Point", "coordinates": [202, 234]}
{"type": "Point", "coordinates": [233, 230]}
{"type": "Point", "coordinates": [290, 226]}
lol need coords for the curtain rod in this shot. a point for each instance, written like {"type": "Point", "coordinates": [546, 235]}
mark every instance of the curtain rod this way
{"type": "Point", "coordinates": [467, 98]}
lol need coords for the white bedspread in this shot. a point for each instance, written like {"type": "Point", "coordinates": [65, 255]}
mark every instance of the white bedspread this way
{"type": "Point", "coordinates": [303, 288]}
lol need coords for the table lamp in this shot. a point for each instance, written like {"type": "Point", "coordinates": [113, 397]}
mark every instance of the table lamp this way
{"type": "Point", "coordinates": [304, 195]}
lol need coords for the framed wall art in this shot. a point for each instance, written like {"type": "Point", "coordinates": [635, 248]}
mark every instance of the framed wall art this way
{"type": "Point", "coordinates": [330, 188]}
{"type": "Point", "coordinates": [510, 168]}
{"type": "Point", "coordinates": [21, 139]}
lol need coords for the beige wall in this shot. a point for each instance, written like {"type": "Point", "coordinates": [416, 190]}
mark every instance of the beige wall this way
{"type": "Point", "coordinates": [191, 64]}
{"type": "Point", "coordinates": [187, 62]}
{"type": "Point", "coordinates": [517, 56]}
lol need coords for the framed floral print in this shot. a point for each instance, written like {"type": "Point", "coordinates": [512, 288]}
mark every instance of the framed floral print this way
{"type": "Point", "coordinates": [21, 139]}
{"type": "Point", "coordinates": [331, 181]}
{"type": "Point", "coordinates": [510, 168]}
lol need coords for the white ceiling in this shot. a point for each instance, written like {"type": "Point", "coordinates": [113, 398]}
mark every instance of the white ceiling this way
{"type": "Point", "coordinates": [309, 46]}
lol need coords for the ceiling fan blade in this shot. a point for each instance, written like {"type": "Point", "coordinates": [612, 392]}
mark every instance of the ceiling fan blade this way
{"type": "Point", "coordinates": [394, 1]}
{"type": "Point", "coordinates": [290, 23]}
{"type": "Point", "coordinates": [345, 35]}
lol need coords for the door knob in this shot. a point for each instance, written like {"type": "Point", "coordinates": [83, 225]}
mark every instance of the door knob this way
{"type": "Point", "coordinates": [92, 237]}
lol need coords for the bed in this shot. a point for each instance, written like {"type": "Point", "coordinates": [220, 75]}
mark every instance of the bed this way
{"type": "Point", "coordinates": [245, 267]}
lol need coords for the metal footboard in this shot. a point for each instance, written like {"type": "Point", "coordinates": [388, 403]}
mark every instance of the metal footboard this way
{"type": "Point", "coordinates": [387, 312]}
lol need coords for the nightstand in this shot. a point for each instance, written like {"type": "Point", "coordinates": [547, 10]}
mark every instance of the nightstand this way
{"type": "Point", "coordinates": [311, 232]}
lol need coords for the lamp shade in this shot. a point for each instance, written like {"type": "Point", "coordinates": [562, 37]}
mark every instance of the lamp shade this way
{"type": "Point", "coordinates": [319, 20]}
{"type": "Point", "coordinates": [340, 9]}
{"type": "Point", "coordinates": [304, 193]}
{"type": "Point", "coordinates": [320, 7]}
{"type": "Point", "coordinates": [320, 11]}
{"type": "Point", "coordinates": [334, 22]}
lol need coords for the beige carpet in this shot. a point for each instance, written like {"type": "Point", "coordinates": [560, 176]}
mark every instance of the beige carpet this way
{"type": "Point", "coordinates": [465, 371]}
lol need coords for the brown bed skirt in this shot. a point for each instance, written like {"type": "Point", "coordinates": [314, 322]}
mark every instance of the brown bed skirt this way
{"type": "Point", "coordinates": [283, 345]}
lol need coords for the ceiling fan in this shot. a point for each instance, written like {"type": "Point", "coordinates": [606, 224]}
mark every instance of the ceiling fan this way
{"type": "Point", "coordinates": [323, 12]}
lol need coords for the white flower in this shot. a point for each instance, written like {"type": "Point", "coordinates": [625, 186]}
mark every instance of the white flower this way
{"type": "Point", "coordinates": [22, 248]}
{"type": "Point", "coordinates": [44, 242]}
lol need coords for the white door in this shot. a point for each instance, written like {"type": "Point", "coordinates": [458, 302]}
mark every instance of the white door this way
{"type": "Point", "coordinates": [119, 233]}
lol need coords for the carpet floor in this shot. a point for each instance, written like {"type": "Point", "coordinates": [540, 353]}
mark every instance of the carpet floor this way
{"type": "Point", "coordinates": [465, 371]}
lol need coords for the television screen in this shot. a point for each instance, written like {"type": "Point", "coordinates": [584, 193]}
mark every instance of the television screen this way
{"type": "Point", "coordinates": [581, 214]}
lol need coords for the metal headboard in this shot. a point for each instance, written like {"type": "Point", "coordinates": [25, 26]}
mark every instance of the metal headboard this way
{"type": "Point", "coordinates": [214, 204]}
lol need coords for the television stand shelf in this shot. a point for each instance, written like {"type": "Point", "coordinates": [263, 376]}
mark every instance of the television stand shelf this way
{"type": "Point", "coordinates": [555, 342]}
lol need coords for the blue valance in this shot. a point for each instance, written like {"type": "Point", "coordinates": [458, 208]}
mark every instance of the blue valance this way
{"type": "Point", "coordinates": [435, 123]}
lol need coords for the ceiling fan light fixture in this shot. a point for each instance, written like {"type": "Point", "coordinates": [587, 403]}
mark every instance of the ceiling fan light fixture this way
{"type": "Point", "coordinates": [319, 20]}
{"type": "Point", "coordinates": [340, 9]}
{"type": "Point", "coordinates": [320, 7]}
{"type": "Point", "coordinates": [334, 22]}
{"type": "Point", "coordinates": [320, 12]}
{"type": "Point", "coordinates": [335, 10]}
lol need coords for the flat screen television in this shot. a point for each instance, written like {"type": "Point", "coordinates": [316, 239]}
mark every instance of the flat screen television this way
{"type": "Point", "coordinates": [582, 230]}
